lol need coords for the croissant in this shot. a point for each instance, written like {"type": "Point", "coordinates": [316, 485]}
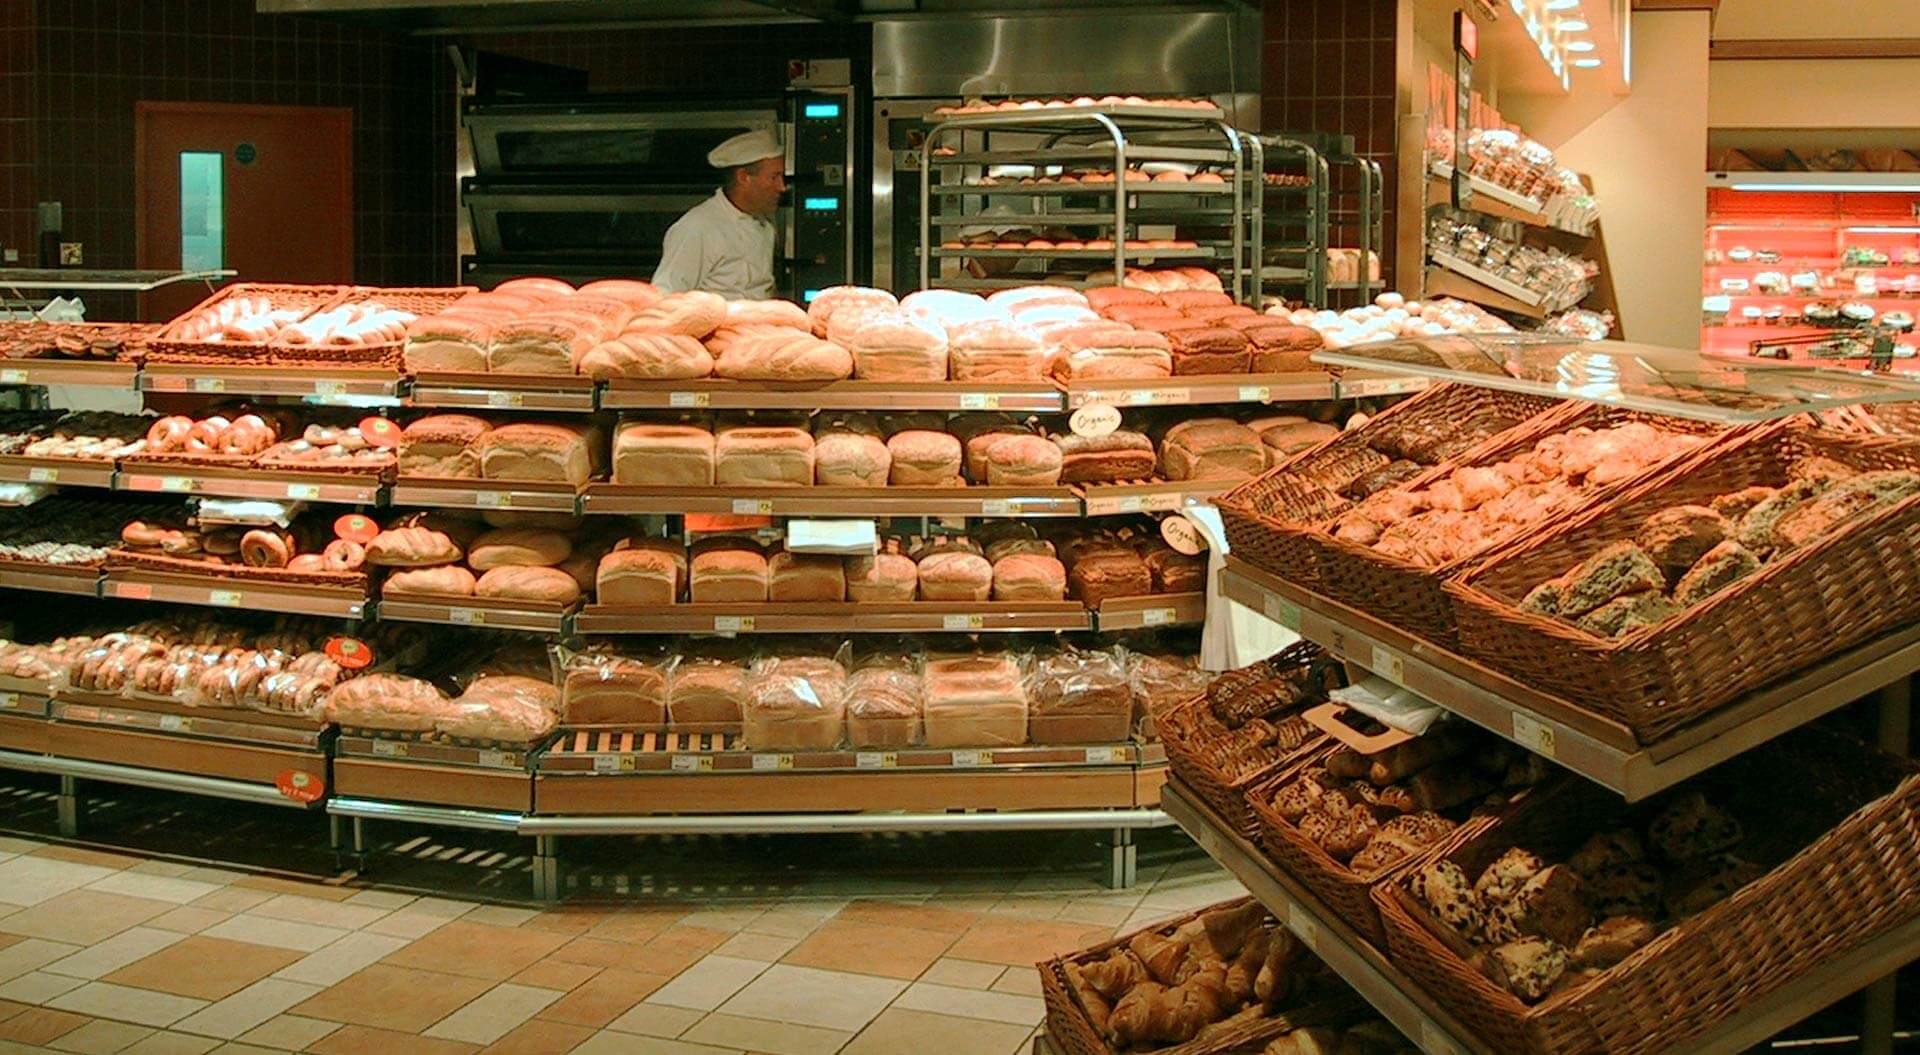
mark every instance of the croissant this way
{"type": "Point", "coordinates": [1228, 928]}
{"type": "Point", "coordinates": [1131, 1020]}
{"type": "Point", "coordinates": [1315, 1041]}
{"type": "Point", "coordinates": [1275, 981]}
{"type": "Point", "coordinates": [1114, 976]}
{"type": "Point", "coordinates": [1162, 956]}
{"type": "Point", "coordinates": [1098, 1010]}
{"type": "Point", "coordinates": [1246, 966]}
{"type": "Point", "coordinates": [1186, 1009]}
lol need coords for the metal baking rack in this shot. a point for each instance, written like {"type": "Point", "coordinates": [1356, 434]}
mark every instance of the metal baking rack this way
{"type": "Point", "coordinates": [1344, 194]}
{"type": "Point", "coordinates": [960, 148]}
{"type": "Point", "coordinates": [1037, 396]}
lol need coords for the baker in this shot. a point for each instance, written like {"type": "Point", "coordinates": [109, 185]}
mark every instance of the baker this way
{"type": "Point", "coordinates": [724, 245]}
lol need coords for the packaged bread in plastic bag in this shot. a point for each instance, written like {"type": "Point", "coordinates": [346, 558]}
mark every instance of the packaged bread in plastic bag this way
{"type": "Point", "coordinates": [974, 701]}
{"type": "Point", "coordinates": [502, 708]}
{"type": "Point", "coordinates": [1080, 696]}
{"type": "Point", "coordinates": [387, 702]}
{"type": "Point", "coordinates": [602, 687]}
{"type": "Point", "coordinates": [795, 703]}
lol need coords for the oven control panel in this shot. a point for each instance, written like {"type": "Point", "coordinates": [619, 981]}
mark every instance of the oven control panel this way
{"type": "Point", "coordinates": [821, 191]}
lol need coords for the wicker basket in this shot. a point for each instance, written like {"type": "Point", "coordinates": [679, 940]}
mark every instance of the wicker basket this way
{"type": "Point", "coordinates": [1268, 518]}
{"type": "Point", "coordinates": [1203, 756]}
{"type": "Point", "coordinates": [125, 558]}
{"type": "Point", "coordinates": [1409, 595]}
{"type": "Point", "coordinates": [1842, 867]}
{"type": "Point", "coordinates": [1798, 609]}
{"type": "Point", "coordinates": [168, 347]}
{"type": "Point", "coordinates": [418, 300]}
{"type": "Point", "coordinates": [1069, 1024]}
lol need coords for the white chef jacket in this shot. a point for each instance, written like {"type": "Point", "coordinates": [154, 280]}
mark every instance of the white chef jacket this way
{"type": "Point", "coordinates": [717, 248]}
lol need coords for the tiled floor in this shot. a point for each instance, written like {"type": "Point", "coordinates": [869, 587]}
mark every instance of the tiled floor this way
{"type": "Point", "coordinates": [101, 952]}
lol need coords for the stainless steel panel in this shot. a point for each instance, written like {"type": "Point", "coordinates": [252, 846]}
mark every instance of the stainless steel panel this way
{"type": "Point", "coordinates": [642, 143]}
{"type": "Point", "coordinates": [531, 222]}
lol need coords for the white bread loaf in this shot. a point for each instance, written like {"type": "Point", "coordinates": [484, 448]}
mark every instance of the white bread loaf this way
{"type": "Point", "coordinates": [652, 355]}
{"type": "Point", "coordinates": [838, 298]}
{"type": "Point", "coordinates": [694, 313]}
{"type": "Point", "coordinates": [539, 451]}
{"type": "Point", "coordinates": [535, 287]}
{"type": "Point", "coordinates": [763, 457]}
{"type": "Point", "coordinates": [448, 344]}
{"type": "Point", "coordinates": [767, 313]}
{"type": "Point", "coordinates": [635, 294]}
{"type": "Point", "coordinates": [897, 347]}
{"type": "Point", "coordinates": [780, 354]}
{"type": "Point", "coordinates": [663, 455]}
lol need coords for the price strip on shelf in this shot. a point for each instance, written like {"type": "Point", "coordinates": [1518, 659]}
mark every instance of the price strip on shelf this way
{"type": "Point", "coordinates": [224, 598]}
{"type": "Point", "coordinates": [506, 399]}
{"type": "Point", "coordinates": [1533, 734]}
{"type": "Point", "coordinates": [498, 760]}
{"type": "Point", "coordinates": [979, 401]}
{"type": "Point", "coordinates": [390, 748]}
{"type": "Point", "coordinates": [772, 762]}
{"type": "Point", "coordinates": [732, 624]}
{"type": "Point", "coordinates": [493, 499]}
{"type": "Point", "coordinates": [329, 388]}
{"type": "Point", "coordinates": [41, 474]}
{"type": "Point", "coordinates": [13, 377]}
{"type": "Point", "coordinates": [963, 622]}
{"type": "Point", "coordinates": [1095, 419]}
{"type": "Point", "coordinates": [1389, 665]}
{"type": "Point", "coordinates": [173, 723]}
{"type": "Point", "coordinates": [467, 616]}
{"type": "Point", "coordinates": [1180, 533]}
{"type": "Point", "coordinates": [1100, 756]}
{"type": "Point", "coordinates": [689, 399]}
{"type": "Point", "coordinates": [606, 763]}
{"type": "Point", "coordinates": [1158, 616]}
{"type": "Point", "coordinates": [1304, 926]}
{"type": "Point", "coordinates": [309, 492]}
{"type": "Point", "coordinates": [133, 591]}
{"type": "Point", "coordinates": [9, 701]}
{"type": "Point", "coordinates": [973, 758]}
{"type": "Point", "coordinates": [876, 760]}
{"type": "Point", "coordinates": [753, 507]}
{"type": "Point", "coordinates": [1160, 397]}
{"type": "Point", "coordinates": [176, 483]}
{"type": "Point", "coordinates": [996, 507]}
{"type": "Point", "coordinates": [209, 384]}
{"type": "Point", "coordinates": [1256, 394]}
{"type": "Point", "coordinates": [1381, 386]}
{"type": "Point", "coordinates": [692, 763]}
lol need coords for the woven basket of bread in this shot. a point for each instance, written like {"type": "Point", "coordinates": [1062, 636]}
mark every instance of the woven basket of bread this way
{"type": "Point", "coordinates": [1787, 583]}
{"type": "Point", "coordinates": [1246, 725]}
{"type": "Point", "coordinates": [418, 300]}
{"type": "Point", "coordinates": [1679, 937]}
{"type": "Point", "coordinates": [1404, 589]}
{"type": "Point", "coordinates": [171, 345]}
{"type": "Point", "coordinates": [1269, 518]}
{"type": "Point", "coordinates": [1299, 991]}
{"type": "Point", "coordinates": [126, 558]}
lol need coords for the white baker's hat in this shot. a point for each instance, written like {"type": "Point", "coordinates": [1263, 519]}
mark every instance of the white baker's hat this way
{"type": "Point", "coordinates": [745, 149]}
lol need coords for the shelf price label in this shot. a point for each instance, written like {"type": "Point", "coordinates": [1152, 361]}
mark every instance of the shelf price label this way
{"type": "Point", "coordinates": [1389, 665]}
{"type": "Point", "coordinates": [963, 622]}
{"type": "Point", "coordinates": [13, 377]}
{"type": "Point", "coordinates": [224, 598]}
{"type": "Point", "coordinates": [209, 384]}
{"type": "Point", "coordinates": [176, 483]}
{"type": "Point", "coordinates": [1533, 734]}
{"type": "Point", "coordinates": [306, 491]}
{"type": "Point", "coordinates": [329, 388]}
{"type": "Point", "coordinates": [1158, 616]}
{"type": "Point", "coordinates": [606, 763]}
{"type": "Point", "coordinates": [689, 399]}
{"type": "Point", "coordinates": [173, 723]}
{"type": "Point", "coordinates": [753, 506]}
{"type": "Point", "coordinates": [506, 399]}
{"type": "Point", "coordinates": [467, 616]}
{"type": "Point", "coordinates": [995, 507]}
{"type": "Point", "coordinates": [876, 760]}
{"type": "Point", "coordinates": [772, 762]}
{"type": "Point", "coordinates": [390, 748]}
{"type": "Point", "coordinates": [979, 401]}
{"type": "Point", "coordinates": [41, 474]}
{"type": "Point", "coordinates": [498, 760]}
{"type": "Point", "coordinates": [692, 763]}
{"type": "Point", "coordinates": [1256, 394]}
{"type": "Point", "coordinates": [732, 624]}
{"type": "Point", "coordinates": [1281, 611]}
{"type": "Point", "coordinates": [1101, 756]}
{"type": "Point", "coordinates": [1381, 386]}
{"type": "Point", "coordinates": [493, 499]}
{"type": "Point", "coordinates": [973, 758]}
{"type": "Point", "coordinates": [9, 701]}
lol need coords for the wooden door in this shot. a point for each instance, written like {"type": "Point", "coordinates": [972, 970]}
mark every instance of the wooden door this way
{"type": "Point", "coordinates": [282, 208]}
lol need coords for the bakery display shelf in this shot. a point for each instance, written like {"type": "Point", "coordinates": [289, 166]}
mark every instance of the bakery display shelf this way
{"type": "Point", "coordinates": [1330, 937]}
{"type": "Point", "coordinates": [468, 493]}
{"type": "Point", "coordinates": [25, 697]}
{"type": "Point", "coordinates": [533, 616]}
{"type": "Point", "coordinates": [1131, 253]}
{"type": "Point", "coordinates": [1453, 277]}
{"type": "Point", "coordinates": [1061, 155]}
{"type": "Point", "coordinates": [1494, 200]}
{"type": "Point", "coordinates": [835, 395]}
{"type": "Point", "coordinates": [90, 373]}
{"type": "Point", "coordinates": [549, 392]}
{"type": "Point", "coordinates": [220, 591]}
{"type": "Point", "coordinates": [1156, 209]}
{"type": "Point", "coordinates": [636, 499]}
{"type": "Point", "coordinates": [68, 472]}
{"type": "Point", "coordinates": [1143, 187]}
{"type": "Point", "coordinates": [153, 715]}
{"type": "Point", "coordinates": [243, 482]}
{"type": "Point", "coordinates": [418, 780]}
{"type": "Point", "coordinates": [366, 743]}
{"type": "Point", "coordinates": [1149, 496]}
{"type": "Point", "coordinates": [104, 279]}
{"type": "Point", "coordinates": [81, 579]}
{"type": "Point", "coordinates": [1153, 610]}
{"type": "Point", "coordinates": [1598, 748]}
{"type": "Point", "coordinates": [587, 752]}
{"type": "Point", "coordinates": [1365, 384]}
{"type": "Point", "coordinates": [316, 384]}
{"type": "Point", "coordinates": [836, 617]}
{"type": "Point", "coordinates": [1203, 388]}
{"type": "Point", "coordinates": [1028, 118]}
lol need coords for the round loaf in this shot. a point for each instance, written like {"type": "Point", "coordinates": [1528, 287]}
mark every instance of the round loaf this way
{"type": "Point", "coordinates": [640, 575]}
{"type": "Point", "coordinates": [522, 582]}
{"type": "Point", "coordinates": [882, 578]}
{"type": "Point", "coordinates": [923, 458]}
{"type": "Point", "coordinates": [635, 294]}
{"type": "Point", "coordinates": [838, 298]}
{"type": "Point", "coordinates": [694, 313]}
{"type": "Point", "coordinates": [412, 547]}
{"type": "Point", "coordinates": [1029, 577]}
{"type": "Point", "coordinates": [447, 580]}
{"type": "Point", "coordinates": [850, 459]}
{"type": "Point", "coordinates": [952, 576]}
{"type": "Point", "coordinates": [1023, 460]}
{"type": "Point", "coordinates": [767, 313]}
{"type": "Point", "coordinates": [647, 354]}
{"type": "Point", "coordinates": [518, 546]}
{"type": "Point", "coordinates": [780, 354]}
{"type": "Point", "coordinates": [536, 288]}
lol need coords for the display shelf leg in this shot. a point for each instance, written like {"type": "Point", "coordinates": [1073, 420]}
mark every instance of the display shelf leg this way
{"type": "Point", "coordinates": [1122, 860]}
{"type": "Point", "coordinates": [546, 867]}
{"type": "Point", "coordinates": [1882, 998]}
{"type": "Point", "coordinates": [69, 807]}
{"type": "Point", "coordinates": [360, 844]}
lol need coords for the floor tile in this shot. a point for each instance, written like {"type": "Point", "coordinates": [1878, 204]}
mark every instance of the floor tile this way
{"type": "Point", "coordinates": [759, 1035]}
{"type": "Point", "coordinates": [495, 1014]}
{"type": "Point", "coordinates": [167, 1043]}
{"type": "Point", "coordinates": [708, 984]}
{"type": "Point", "coordinates": [607, 1043]}
{"type": "Point", "coordinates": [38, 987]}
{"type": "Point", "coordinates": [148, 1008]}
{"type": "Point", "coordinates": [345, 956]}
{"type": "Point", "coordinates": [213, 874]}
{"type": "Point", "coordinates": [362, 1040]}
{"type": "Point", "coordinates": [204, 967]}
{"type": "Point", "coordinates": [1094, 913]}
{"type": "Point", "coordinates": [567, 921]}
{"type": "Point", "coordinates": [13, 847]}
{"type": "Point", "coordinates": [157, 887]}
{"type": "Point", "coordinates": [234, 1047]}
{"type": "Point", "coordinates": [389, 997]}
{"type": "Point", "coordinates": [828, 999]}
{"type": "Point", "coordinates": [32, 954]}
{"type": "Point", "coordinates": [1020, 981]}
{"type": "Point", "coordinates": [478, 950]}
{"type": "Point", "coordinates": [501, 915]}
{"type": "Point", "coordinates": [326, 913]}
{"type": "Point", "coordinates": [919, 917]}
{"type": "Point", "coordinates": [966, 974]}
{"type": "Point", "coordinates": [555, 974]}
{"type": "Point", "coordinates": [972, 1003]}
{"type": "Point", "coordinates": [1028, 907]}
{"type": "Point", "coordinates": [899, 1031]}
{"type": "Point", "coordinates": [80, 916]}
{"type": "Point", "coordinates": [282, 885]}
{"type": "Point", "coordinates": [1198, 892]}
{"type": "Point", "coordinates": [657, 1020]}
{"type": "Point", "coordinates": [443, 907]}
{"type": "Point", "coordinates": [246, 1009]}
{"type": "Point", "coordinates": [676, 949]}
{"type": "Point", "coordinates": [275, 933]}
{"type": "Point", "coordinates": [40, 1025]}
{"type": "Point", "coordinates": [785, 923]}
{"type": "Point", "coordinates": [88, 856]}
{"type": "Point", "coordinates": [870, 948]}
{"type": "Point", "coordinates": [540, 1037]}
{"type": "Point", "coordinates": [596, 953]}
{"type": "Point", "coordinates": [729, 920]}
{"type": "Point", "coordinates": [408, 924]}
{"type": "Point", "coordinates": [386, 899]}
{"type": "Point", "coordinates": [1023, 943]}
{"type": "Point", "coordinates": [605, 997]}
{"type": "Point", "coordinates": [291, 1032]}
{"type": "Point", "coordinates": [232, 899]}
{"type": "Point", "coordinates": [128, 946]}
{"type": "Point", "coordinates": [100, 1037]}
{"type": "Point", "coordinates": [749, 946]}
{"type": "Point", "coordinates": [160, 868]}
{"type": "Point", "coordinates": [188, 919]}
{"type": "Point", "coordinates": [639, 925]}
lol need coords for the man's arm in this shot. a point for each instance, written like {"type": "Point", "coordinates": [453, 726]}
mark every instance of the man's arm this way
{"type": "Point", "coordinates": [683, 263]}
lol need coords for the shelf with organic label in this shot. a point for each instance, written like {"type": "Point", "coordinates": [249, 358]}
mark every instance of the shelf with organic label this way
{"type": "Point", "coordinates": [1037, 397]}
{"type": "Point", "coordinates": [829, 617]}
{"type": "Point", "coordinates": [1149, 496]}
{"type": "Point", "coordinates": [876, 502]}
{"type": "Point", "coordinates": [1598, 748]}
{"type": "Point", "coordinates": [214, 590]}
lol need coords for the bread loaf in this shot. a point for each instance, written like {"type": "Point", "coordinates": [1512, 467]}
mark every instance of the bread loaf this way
{"type": "Point", "coordinates": [518, 546]}
{"type": "Point", "coordinates": [806, 577]}
{"type": "Point", "coordinates": [448, 344]}
{"type": "Point", "coordinates": [386, 701]}
{"type": "Point", "coordinates": [648, 355]}
{"type": "Point", "coordinates": [1211, 449]}
{"type": "Point", "coordinates": [795, 704]}
{"type": "Point", "coordinates": [1025, 297]}
{"type": "Point", "coordinates": [1103, 298]}
{"type": "Point", "coordinates": [1114, 354]}
{"type": "Point", "coordinates": [993, 350]}
{"type": "Point", "coordinates": [844, 458]}
{"type": "Point", "coordinates": [412, 546]}
{"type": "Point", "coordinates": [550, 342]}
{"type": "Point", "coordinates": [692, 313]}
{"type": "Point", "coordinates": [1119, 573]}
{"type": "Point", "coordinates": [923, 458]}
{"type": "Point", "coordinates": [724, 574]}
{"type": "Point", "coordinates": [858, 299]}
{"type": "Point", "coordinates": [521, 582]}
{"type": "Point", "coordinates": [1079, 697]}
{"type": "Point", "coordinates": [706, 696]}
{"type": "Point", "coordinates": [884, 578]}
{"type": "Point", "coordinates": [640, 575]}
{"type": "Point", "coordinates": [949, 308]}
{"type": "Point", "coordinates": [1119, 455]}
{"type": "Point", "coordinates": [663, 455]}
{"type": "Point", "coordinates": [1210, 350]}
{"type": "Point", "coordinates": [539, 452]}
{"type": "Point", "coordinates": [767, 313]}
{"type": "Point", "coordinates": [614, 690]}
{"type": "Point", "coordinates": [780, 354]}
{"type": "Point", "coordinates": [763, 457]}
{"type": "Point", "coordinates": [974, 702]}
{"type": "Point", "coordinates": [883, 707]}
{"type": "Point", "coordinates": [955, 576]}
{"type": "Point", "coordinates": [446, 580]}
{"type": "Point", "coordinates": [1023, 460]}
{"type": "Point", "coordinates": [538, 288]}
{"type": "Point", "coordinates": [635, 294]}
{"type": "Point", "coordinates": [897, 347]}
{"type": "Point", "coordinates": [441, 445]}
{"type": "Point", "coordinates": [1029, 577]}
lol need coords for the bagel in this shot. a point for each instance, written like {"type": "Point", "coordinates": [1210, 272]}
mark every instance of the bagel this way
{"type": "Point", "coordinates": [342, 555]}
{"type": "Point", "coordinates": [260, 548]}
{"type": "Point", "coordinates": [311, 562]}
{"type": "Point", "coordinates": [169, 432]}
{"type": "Point", "coordinates": [180, 543]}
{"type": "Point", "coordinates": [142, 534]}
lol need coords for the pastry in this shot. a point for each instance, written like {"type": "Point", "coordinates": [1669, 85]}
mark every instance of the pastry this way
{"type": "Point", "coordinates": [1623, 615]}
{"type": "Point", "coordinates": [1691, 827]}
{"type": "Point", "coordinates": [1528, 967]}
{"type": "Point", "coordinates": [1720, 567]}
{"type": "Point", "coordinates": [1619, 569]}
{"type": "Point", "coordinates": [1611, 940]}
{"type": "Point", "coordinates": [1677, 537]}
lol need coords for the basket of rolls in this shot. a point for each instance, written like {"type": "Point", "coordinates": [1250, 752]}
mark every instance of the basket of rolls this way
{"type": "Point", "coordinates": [1581, 924]}
{"type": "Point", "coordinates": [235, 325]}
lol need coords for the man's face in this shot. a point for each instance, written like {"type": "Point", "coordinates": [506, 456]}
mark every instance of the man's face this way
{"type": "Point", "coordinates": [757, 187]}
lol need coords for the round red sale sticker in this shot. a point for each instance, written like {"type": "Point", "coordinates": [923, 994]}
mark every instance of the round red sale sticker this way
{"type": "Point", "coordinates": [350, 652]}
{"type": "Point", "coordinates": [300, 785]}
{"type": "Point", "coordinates": [356, 527]}
{"type": "Point", "coordinates": [379, 432]}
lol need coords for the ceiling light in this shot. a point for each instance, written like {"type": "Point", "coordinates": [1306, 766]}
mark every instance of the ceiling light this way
{"type": "Point", "coordinates": [1579, 45]}
{"type": "Point", "coordinates": [1562, 5]}
{"type": "Point", "coordinates": [1586, 64]}
{"type": "Point", "coordinates": [1572, 25]}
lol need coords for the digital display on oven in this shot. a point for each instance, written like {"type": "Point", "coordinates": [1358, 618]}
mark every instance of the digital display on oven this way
{"type": "Point", "coordinates": [820, 204]}
{"type": "Point", "coordinates": [820, 110]}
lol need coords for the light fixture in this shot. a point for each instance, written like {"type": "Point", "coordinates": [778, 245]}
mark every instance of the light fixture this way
{"type": "Point", "coordinates": [1586, 64]}
{"type": "Point", "coordinates": [1572, 25]}
{"type": "Point", "coordinates": [1844, 188]}
{"type": "Point", "coordinates": [1562, 5]}
{"type": "Point", "coordinates": [1580, 45]}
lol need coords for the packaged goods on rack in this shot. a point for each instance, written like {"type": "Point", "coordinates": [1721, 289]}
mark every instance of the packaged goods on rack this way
{"type": "Point", "coordinates": [795, 703]}
{"type": "Point", "coordinates": [236, 325]}
{"type": "Point", "coordinates": [243, 435]}
{"type": "Point", "coordinates": [41, 662]}
{"type": "Point", "coordinates": [1580, 924]}
{"type": "Point", "coordinates": [1551, 277]}
{"type": "Point", "coordinates": [505, 694]}
{"type": "Point", "coordinates": [1709, 579]}
{"type": "Point", "coordinates": [501, 555]}
{"type": "Point", "coordinates": [74, 340]}
{"type": "Point", "coordinates": [311, 551]}
{"type": "Point", "coordinates": [1582, 323]}
{"type": "Point", "coordinates": [1511, 161]}
{"type": "Point", "coordinates": [1389, 317]}
{"type": "Point", "coordinates": [68, 531]}
{"type": "Point", "coordinates": [90, 435]}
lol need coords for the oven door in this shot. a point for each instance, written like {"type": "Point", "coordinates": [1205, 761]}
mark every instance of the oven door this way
{"type": "Point", "coordinates": [612, 140]}
{"type": "Point", "coordinates": [584, 224]}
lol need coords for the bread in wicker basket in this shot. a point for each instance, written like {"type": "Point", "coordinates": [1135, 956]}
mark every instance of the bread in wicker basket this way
{"type": "Point", "coordinates": [1666, 917]}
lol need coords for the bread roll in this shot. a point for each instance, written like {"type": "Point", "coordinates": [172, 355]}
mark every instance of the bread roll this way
{"type": "Point", "coordinates": [898, 347]}
{"type": "Point", "coordinates": [412, 546]}
{"type": "Point", "coordinates": [839, 298]}
{"type": "Point", "coordinates": [747, 456]}
{"type": "Point", "coordinates": [924, 458]}
{"type": "Point", "coordinates": [522, 582]}
{"type": "Point", "coordinates": [884, 578]}
{"type": "Point", "coordinates": [1211, 449]}
{"type": "Point", "coordinates": [640, 575]}
{"type": "Point", "coordinates": [1029, 577]}
{"type": "Point", "coordinates": [448, 343]}
{"type": "Point", "coordinates": [529, 546]}
{"type": "Point", "coordinates": [850, 459]}
{"type": "Point", "coordinates": [775, 353]}
{"type": "Point", "coordinates": [1023, 460]}
{"type": "Point", "coordinates": [728, 573]}
{"type": "Point", "coordinates": [446, 580]}
{"type": "Point", "coordinates": [693, 313]}
{"type": "Point", "coordinates": [648, 355]}
{"type": "Point", "coordinates": [955, 576]}
{"type": "Point", "coordinates": [663, 455]}
{"type": "Point", "coordinates": [799, 577]}
{"type": "Point", "coordinates": [538, 452]}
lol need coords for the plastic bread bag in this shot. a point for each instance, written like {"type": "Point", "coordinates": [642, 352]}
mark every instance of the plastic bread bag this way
{"type": "Point", "coordinates": [295, 692]}
{"type": "Point", "coordinates": [795, 703]}
{"type": "Point", "coordinates": [388, 703]}
{"type": "Point", "coordinates": [883, 705]}
{"type": "Point", "coordinates": [1080, 696]}
{"type": "Point", "coordinates": [502, 708]}
{"type": "Point", "coordinates": [513, 656]}
{"type": "Point", "coordinates": [233, 680]}
{"type": "Point", "coordinates": [107, 665]}
{"type": "Point", "coordinates": [1162, 674]}
{"type": "Point", "coordinates": [602, 687]}
{"type": "Point", "coordinates": [974, 701]}
{"type": "Point", "coordinates": [706, 694]}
